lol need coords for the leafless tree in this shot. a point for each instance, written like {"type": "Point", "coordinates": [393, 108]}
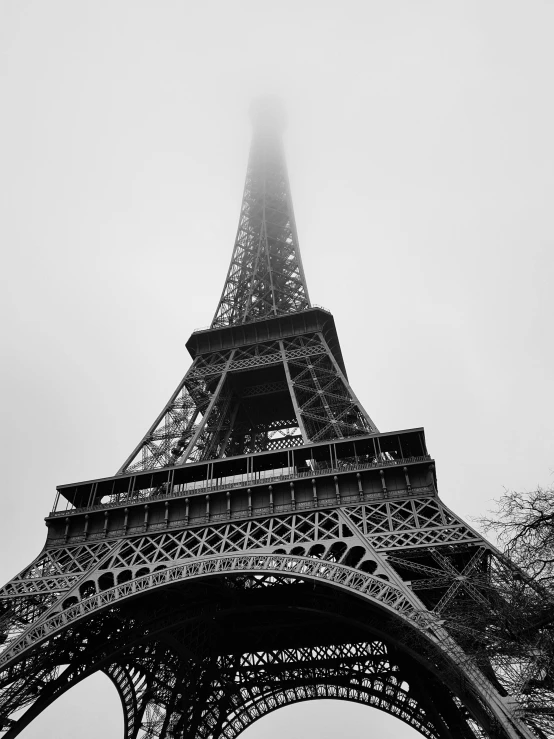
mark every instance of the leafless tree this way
{"type": "Point", "coordinates": [523, 524]}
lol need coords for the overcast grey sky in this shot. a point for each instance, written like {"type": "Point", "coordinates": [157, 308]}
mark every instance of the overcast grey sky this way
{"type": "Point", "coordinates": [421, 158]}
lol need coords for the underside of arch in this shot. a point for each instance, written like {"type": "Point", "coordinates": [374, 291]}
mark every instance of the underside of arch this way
{"type": "Point", "coordinates": [207, 657]}
{"type": "Point", "coordinates": [226, 694]}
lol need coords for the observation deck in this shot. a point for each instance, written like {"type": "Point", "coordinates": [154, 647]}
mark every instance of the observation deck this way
{"type": "Point", "coordinates": [268, 328]}
{"type": "Point", "coordinates": [312, 476]}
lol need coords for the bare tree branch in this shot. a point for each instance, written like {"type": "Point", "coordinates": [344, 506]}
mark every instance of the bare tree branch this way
{"type": "Point", "coordinates": [524, 526]}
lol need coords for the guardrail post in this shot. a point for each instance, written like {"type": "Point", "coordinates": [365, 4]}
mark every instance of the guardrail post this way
{"type": "Point", "coordinates": [337, 489]}
{"type": "Point", "coordinates": [145, 525]}
{"type": "Point", "coordinates": [383, 483]}
{"type": "Point", "coordinates": [407, 480]}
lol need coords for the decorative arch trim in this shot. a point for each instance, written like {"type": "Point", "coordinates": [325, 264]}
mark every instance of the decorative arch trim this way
{"type": "Point", "coordinates": [266, 704]}
{"type": "Point", "coordinates": [378, 591]}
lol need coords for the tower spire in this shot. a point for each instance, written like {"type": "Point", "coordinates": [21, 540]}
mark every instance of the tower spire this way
{"type": "Point", "coordinates": [265, 277]}
{"type": "Point", "coordinates": [266, 544]}
{"type": "Point", "coordinates": [269, 373]}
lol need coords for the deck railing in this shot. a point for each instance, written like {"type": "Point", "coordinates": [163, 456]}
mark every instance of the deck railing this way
{"type": "Point", "coordinates": [202, 520]}
{"type": "Point", "coordinates": [201, 487]}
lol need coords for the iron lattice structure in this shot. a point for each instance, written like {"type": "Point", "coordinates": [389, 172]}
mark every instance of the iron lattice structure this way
{"type": "Point", "coordinates": [266, 544]}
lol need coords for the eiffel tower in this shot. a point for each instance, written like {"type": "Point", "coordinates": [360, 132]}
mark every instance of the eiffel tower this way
{"type": "Point", "coordinates": [265, 544]}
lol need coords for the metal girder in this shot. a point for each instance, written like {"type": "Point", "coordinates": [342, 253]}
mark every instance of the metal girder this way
{"type": "Point", "coordinates": [179, 673]}
{"type": "Point", "coordinates": [207, 618]}
{"type": "Point", "coordinates": [214, 414]}
{"type": "Point", "coordinates": [265, 276]}
{"type": "Point", "coordinates": [139, 567]}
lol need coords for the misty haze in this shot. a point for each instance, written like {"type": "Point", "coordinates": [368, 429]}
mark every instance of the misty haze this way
{"type": "Point", "coordinates": [418, 142]}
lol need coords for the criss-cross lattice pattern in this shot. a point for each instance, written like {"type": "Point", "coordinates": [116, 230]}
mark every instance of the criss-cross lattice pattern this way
{"type": "Point", "coordinates": [235, 690]}
{"type": "Point", "coordinates": [212, 414]}
{"type": "Point", "coordinates": [333, 544]}
{"type": "Point", "coordinates": [265, 277]}
{"type": "Point", "coordinates": [222, 408]}
{"type": "Point", "coordinates": [209, 608]}
{"type": "Point", "coordinates": [189, 691]}
{"type": "Point", "coordinates": [386, 526]}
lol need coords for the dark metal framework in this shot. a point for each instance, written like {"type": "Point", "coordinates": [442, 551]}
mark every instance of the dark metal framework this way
{"type": "Point", "coordinates": [265, 276]}
{"type": "Point", "coordinates": [264, 544]}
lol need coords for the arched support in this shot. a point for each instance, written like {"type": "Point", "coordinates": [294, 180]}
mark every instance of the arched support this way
{"type": "Point", "coordinates": [363, 673]}
{"type": "Point", "coordinates": [132, 688]}
{"type": "Point", "coordinates": [268, 703]}
{"type": "Point", "coordinates": [283, 568]}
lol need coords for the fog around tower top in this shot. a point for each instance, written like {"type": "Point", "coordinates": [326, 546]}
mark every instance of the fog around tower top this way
{"type": "Point", "coordinates": [420, 156]}
{"type": "Point", "coordinates": [267, 113]}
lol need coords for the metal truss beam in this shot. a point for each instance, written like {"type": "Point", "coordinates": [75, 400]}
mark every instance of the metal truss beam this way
{"type": "Point", "coordinates": [214, 412]}
{"type": "Point", "coordinates": [265, 276]}
{"type": "Point", "coordinates": [264, 544]}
